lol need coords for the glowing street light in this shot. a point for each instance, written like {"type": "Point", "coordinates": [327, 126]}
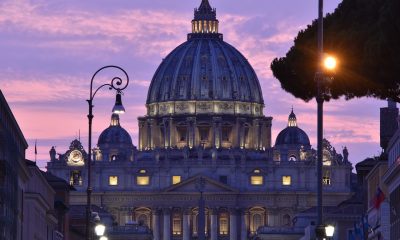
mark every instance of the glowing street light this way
{"type": "Point", "coordinates": [329, 230]}
{"type": "Point", "coordinates": [330, 63]}
{"type": "Point", "coordinates": [100, 229]}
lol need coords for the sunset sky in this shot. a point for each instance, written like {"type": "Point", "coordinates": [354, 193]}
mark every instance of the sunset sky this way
{"type": "Point", "coordinates": [50, 50]}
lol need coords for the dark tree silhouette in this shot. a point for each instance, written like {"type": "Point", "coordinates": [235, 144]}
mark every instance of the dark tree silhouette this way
{"type": "Point", "coordinates": [365, 36]}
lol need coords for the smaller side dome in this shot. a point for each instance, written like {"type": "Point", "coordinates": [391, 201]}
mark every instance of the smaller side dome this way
{"type": "Point", "coordinates": [292, 134]}
{"type": "Point", "coordinates": [115, 134]}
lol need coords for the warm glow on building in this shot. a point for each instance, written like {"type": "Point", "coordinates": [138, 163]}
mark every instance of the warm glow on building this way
{"type": "Point", "coordinates": [113, 180]}
{"type": "Point", "coordinates": [176, 179]}
{"type": "Point", "coordinates": [143, 180]}
{"type": "Point", "coordinates": [257, 180]}
{"type": "Point", "coordinates": [286, 180]}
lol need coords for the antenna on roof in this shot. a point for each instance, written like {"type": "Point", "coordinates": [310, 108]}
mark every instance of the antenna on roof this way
{"type": "Point", "coordinates": [35, 150]}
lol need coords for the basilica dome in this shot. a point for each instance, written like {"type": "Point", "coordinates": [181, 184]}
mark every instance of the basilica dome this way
{"type": "Point", "coordinates": [115, 134]}
{"type": "Point", "coordinates": [292, 134]}
{"type": "Point", "coordinates": [205, 69]}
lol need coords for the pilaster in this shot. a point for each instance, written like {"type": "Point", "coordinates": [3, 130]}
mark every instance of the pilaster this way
{"type": "Point", "coordinates": [167, 224]}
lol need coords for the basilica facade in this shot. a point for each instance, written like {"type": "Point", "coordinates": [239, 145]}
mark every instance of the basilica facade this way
{"type": "Point", "coordinates": [204, 133]}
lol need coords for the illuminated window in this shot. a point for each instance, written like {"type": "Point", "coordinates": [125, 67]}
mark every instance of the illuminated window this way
{"type": "Point", "coordinates": [223, 224]}
{"type": "Point", "coordinates": [75, 178]}
{"type": "Point", "coordinates": [257, 171]}
{"type": "Point", "coordinates": [292, 158]}
{"type": "Point", "coordinates": [113, 180]}
{"type": "Point", "coordinates": [176, 224]}
{"type": "Point", "coordinates": [286, 180]}
{"type": "Point", "coordinates": [176, 179]}
{"type": "Point", "coordinates": [142, 171]}
{"type": "Point", "coordinates": [142, 180]}
{"type": "Point", "coordinates": [257, 180]}
{"type": "Point", "coordinates": [326, 181]}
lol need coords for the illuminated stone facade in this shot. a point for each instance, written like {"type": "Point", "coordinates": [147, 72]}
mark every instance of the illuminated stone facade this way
{"type": "Point", "coordinates": [205, 122]}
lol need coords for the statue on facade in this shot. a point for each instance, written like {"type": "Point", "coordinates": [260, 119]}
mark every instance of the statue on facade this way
{"type": "Point", "coordinates": [345, 154]}
{"type": "Point", "coordinates": [53, 154]}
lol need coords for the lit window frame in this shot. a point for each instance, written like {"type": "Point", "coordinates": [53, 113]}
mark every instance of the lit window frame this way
{"type": "Point", "coordinates": [256, 180]}
{"type": "Point", "coordinates": [113, 180]}
{"type": "Point", "coordinates": [176, 179]}
{"type": "Point", "coordinates": [143, 178]}
{"type": "Point", "coordinates": [287, 180]}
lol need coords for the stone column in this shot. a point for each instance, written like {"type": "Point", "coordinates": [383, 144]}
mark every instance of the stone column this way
{"type": "Point", "coordinates": [171, 125]}
{"type": "Point", "coordinates": [141, 134]}
{"type": "Point", "coordinates": [156, 224]}
{"type": "Point", "coordinates": [167, 224]}
{"type": "Point", "coordinates": [240, 132]}
{"type": "Point", "coordinates": [166, 130]}
{"type": "Point", "coordinates": [233, 230]}
{"type": "Point", "coordinates": [244, 223]}
{"type": "Point", "coordinates": [214, 224]}
{"type": "Point", "coordinates": [191, 131]}
{"type": "Point", "coordinates": [217, 131]}
{"type": "Point", "coordinates": [186, 224]}
{"type": "Point", "coordinates": [149, 133]}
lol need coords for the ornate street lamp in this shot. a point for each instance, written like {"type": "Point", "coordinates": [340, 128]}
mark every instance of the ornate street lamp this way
{"type": "Point", "coordinates": [118, 85]}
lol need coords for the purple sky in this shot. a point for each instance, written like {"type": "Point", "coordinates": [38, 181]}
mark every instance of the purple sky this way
{"type": "Point", "coordinates": [50, 49]}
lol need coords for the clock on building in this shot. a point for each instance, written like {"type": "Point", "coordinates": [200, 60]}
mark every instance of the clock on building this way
{"type": "Point", "coordinates": [75, 157]}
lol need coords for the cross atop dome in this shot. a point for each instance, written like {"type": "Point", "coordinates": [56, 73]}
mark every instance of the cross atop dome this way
{"type": "Point", "coordinates": [292, 119]}
{"type": "Point", "coordinates": [205, 20]}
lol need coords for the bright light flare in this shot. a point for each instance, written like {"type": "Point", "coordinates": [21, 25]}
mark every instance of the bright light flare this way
{"type": "Point", "coordinates": [330, 63]}
{"type": "Point", "coordinates": [329, 230]}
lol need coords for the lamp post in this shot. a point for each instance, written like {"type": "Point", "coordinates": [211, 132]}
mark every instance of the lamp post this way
{"type": "Point", "coordinates": [118, 85]}
{"type": "Point", "coordinates": [325, 63]}
{"type": "Point", "coordinates": [320, 102]}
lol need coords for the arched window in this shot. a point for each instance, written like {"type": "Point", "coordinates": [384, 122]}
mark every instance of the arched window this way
{"type": "Point", "coordinates": [142, 216]}
{"type": "Point", "coordinates": [292, 158]}
{"type": "Point", "coordinates": [113, 158]}
{"type": "Point", "coordinates": [257, 218]}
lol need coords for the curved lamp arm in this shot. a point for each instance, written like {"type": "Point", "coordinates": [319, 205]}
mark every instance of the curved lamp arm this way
{"type": "Point", "coordinates": [116, 83]}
